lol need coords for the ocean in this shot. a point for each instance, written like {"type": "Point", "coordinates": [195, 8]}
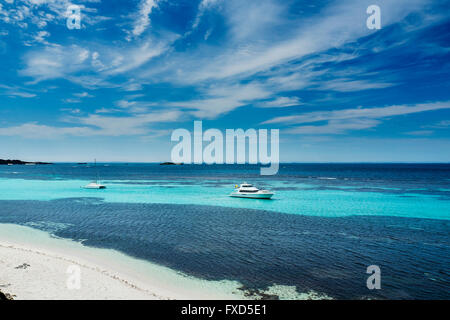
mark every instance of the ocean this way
{"type": "Point", "coordinates": [325, 225]}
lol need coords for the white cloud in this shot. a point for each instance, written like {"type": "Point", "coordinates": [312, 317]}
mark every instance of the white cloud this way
{"type": "Point", "coordinates": [132, 85]}
{"type": "Point", "coordinates": [15, 91]}
{"type": "Point", "coordinates": [93, 125]}
{"type": "Point", "coordinates": [335, 127]}
{"type": "Point", "coordinates": [73, 111]}
{"type": "Point", "coordinates": [341, 121]}
{"type": "Point", "coordinates": [261, 39]}
{"type": "Point", "coordinates": [254, 20]}
{"type": "Point", "coordinates": [280, 102]}
{"type": "Point", "coordinates": [358, 113]}
{"type": "Point", "coordinates": [128, 125]}
{"type": "Point", "coordinates": [125, 103]}
{"type": "Point", "coordinates": [83, 56]}
{"type": "Point", "coordinates": [249, 50]}
{"type": "Point", "coordinates": [70, 100]}
{"type": "Point", "coordinates": [143, 19]}
{"type": "Point", "coordinates": [222, 99]}
{"type": "Point", "coordinates": [37, 131]}
{"type": "Point", "coordinates": [67, 62]}
{"type": "Point", "coordinates": [54, 62]}
{"type": "Point", "coordinates": [348, 85]}
{"type": "Point", "coordinates": [41, 37]}
{"type": "Point", "coordinates": [83, 95]}
{"type": "Point", "coordinates": [420, 133]}
{"type": "Point", "coordinates": [106, 110]}
{"type": "Point", "coordinates": [134, 58]}
{"type": "Point", "coordinates": [43, 12]}
{"type": "Point", "coordinates": [202, 7]}
{"type": "Point", "coordinates": [444, 123]}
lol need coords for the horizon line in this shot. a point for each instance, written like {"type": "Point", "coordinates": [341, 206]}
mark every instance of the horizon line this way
{"type": "Point", "coordinates": [255, 164]}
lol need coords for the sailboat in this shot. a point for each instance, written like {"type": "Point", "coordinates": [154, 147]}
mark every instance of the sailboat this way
{"type": "Point", "coordinates": [95, 184]}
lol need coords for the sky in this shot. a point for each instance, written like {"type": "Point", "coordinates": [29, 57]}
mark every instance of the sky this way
{"type": "Point", "coordinates": [117, 87]}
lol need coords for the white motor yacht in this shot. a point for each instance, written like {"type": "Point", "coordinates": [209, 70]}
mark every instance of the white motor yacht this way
{"type": "Point", "coordinates": [247, 190]}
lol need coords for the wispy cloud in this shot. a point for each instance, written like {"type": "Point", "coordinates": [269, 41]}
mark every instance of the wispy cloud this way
{"type": "Point", "coordinates": [342, 121]}
{"type": "Point", "coordinates": [335, 127]}
{"type": "Point", "coordinates": [202, 8]}
{"type": "Point", "coordinates": [136, 57]}
{"type": "Point", "coordinates": [372, 113]}
{"type": "Point", "coordinates": [54, 62]}
{"type": "Point", "coordinates": [15, 91]}
{"type": "Point", "coordinates": [328, 29]}
{"type": "Point", "coordinates": [41, 13]}
{"type": "Point", "coordinates": [97, 65]}
{"type": "Point", "coordinates": [420, 133]}
{"type": "Point", "coordinates": [349, 85]}
{"type": "Point", "coordinates": [38, 131]}
{"type": "Point", "coordinates": [126, 125]}
{"type": "Point", "coordinates": [443, 124]}
{"type": "Point", "coordinates": [280, 102]}
{"type": "Point", "coordinates": [83, 95]}
{"type": "Point", "coordinates": [142, 20]}
{"type": "Point", "coordinates": [94, 125]}
{"type": "Point", "coordinates": [294, 58]}
{"type": "Point", "coordinates": [218, 100]}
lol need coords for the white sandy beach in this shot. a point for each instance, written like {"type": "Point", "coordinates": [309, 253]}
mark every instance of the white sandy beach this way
{"type": "Point", "coordinates": [34, 265]}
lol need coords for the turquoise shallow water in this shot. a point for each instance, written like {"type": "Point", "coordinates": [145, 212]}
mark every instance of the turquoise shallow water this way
{"type": "Point", "coordinates": [290, 197]}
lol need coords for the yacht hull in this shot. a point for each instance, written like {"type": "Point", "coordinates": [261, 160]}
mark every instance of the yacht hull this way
{"type": "Point", "coordinates": [266, 196]}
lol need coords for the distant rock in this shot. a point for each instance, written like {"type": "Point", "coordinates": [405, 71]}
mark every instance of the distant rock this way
{"type": "Point", "coordinates": [19, 162]}
{"type": "Point", "coordinates": [171, 164]}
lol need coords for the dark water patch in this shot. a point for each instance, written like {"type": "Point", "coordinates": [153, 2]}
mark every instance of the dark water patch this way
{"type": "Point", "coordinates": [404, 193]}
{"type": "Point", "coordinates": [80, 200]}
{"type": "Point", "coordinates": [259, 248]}
{"type": "Point", "coordinates": [286, 188]}
{"type": "Point", "coordinates": [217, 184]}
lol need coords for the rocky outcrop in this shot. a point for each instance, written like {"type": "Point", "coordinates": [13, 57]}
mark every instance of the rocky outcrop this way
{"type": "Point", "coordinates": [170, 164]}
{"type": "Point", "coordinates": [5, 162]}
{"type": "Point", "coordinates": [5, 296]}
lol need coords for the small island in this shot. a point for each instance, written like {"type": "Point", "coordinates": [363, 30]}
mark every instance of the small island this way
{"type": "Point", "coordinates": [20, 162]}
{"type": "Point", "coordinates": [171, 164]}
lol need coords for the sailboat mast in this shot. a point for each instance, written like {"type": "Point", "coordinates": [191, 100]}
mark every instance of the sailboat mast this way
{"type": "Point", "coordinates": [95, 165]}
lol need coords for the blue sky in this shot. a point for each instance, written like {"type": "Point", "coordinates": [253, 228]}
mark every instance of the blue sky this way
{"type": "Point", "coordinates": [136, 70]}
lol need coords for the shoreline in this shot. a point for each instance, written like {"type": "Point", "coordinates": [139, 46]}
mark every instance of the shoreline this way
{"type": "Point", "coordinates": [36, 265]}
